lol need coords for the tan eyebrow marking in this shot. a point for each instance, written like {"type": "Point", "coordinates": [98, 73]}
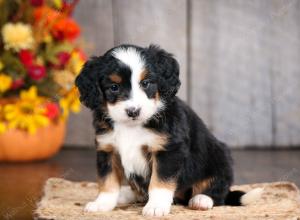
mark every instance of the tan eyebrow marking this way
{"type": "Point", "coordinates": [157, 96]}
{"type": "Point", "coordinates": [144, 73]}
{"type": "Point", "coordinates": [115, 78]}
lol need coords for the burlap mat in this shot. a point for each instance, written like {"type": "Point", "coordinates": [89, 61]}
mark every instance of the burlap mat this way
{"type": "Point", "coordinates": [65, 200]}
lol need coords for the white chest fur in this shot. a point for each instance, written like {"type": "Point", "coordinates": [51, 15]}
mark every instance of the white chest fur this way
{"type": "Point", "coordinates": [128, 141]}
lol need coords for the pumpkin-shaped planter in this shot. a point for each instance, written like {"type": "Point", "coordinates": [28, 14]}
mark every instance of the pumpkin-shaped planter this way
{"type": "Point", "coordinates": [32, 128]}
{"type": "Point", "coordinates": [19, 145]}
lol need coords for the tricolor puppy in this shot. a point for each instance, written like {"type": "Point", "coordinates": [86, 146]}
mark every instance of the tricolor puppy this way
{"type": "Point", "coordinates": [149, 139]}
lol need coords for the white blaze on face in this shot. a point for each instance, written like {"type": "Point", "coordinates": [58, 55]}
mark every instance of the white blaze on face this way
{"type": "Point", "coordinates": [138, 98]}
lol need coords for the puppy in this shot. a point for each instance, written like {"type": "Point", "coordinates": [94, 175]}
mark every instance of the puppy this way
{"type": "Point", "coordinates": [149, 139]}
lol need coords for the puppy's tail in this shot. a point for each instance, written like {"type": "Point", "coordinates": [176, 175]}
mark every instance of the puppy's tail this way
{"type": "Point", "coordinates": [238, 198]}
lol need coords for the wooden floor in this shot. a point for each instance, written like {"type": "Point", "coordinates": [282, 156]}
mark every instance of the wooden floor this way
{"type": "Point", "coordinates": [21, 184]}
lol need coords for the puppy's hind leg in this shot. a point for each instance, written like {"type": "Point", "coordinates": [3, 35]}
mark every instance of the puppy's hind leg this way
{"type": "Point", "coordinates": [201, 202]}
{"type": "Point", "coordinates": [208, 193]}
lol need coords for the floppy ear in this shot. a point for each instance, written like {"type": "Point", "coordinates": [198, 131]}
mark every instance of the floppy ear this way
{"type": "Point", "coordinates": [167, 68]}
{"type": "Point", "coordinates": [87, 82]}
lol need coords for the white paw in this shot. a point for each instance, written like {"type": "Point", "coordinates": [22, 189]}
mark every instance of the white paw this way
{"type": "Point", "coordinates": [159, 203]}
{"type": "Point", "coordinates": [201, 201]}
{"type": "Point", "coordinates": [126, 195]}
{"type": "Point", "coordinates": [104, 203]}
{"type": "Point", "coordinates": [98, 207]}
{"type": "Point", "coordinates": [152, 209]}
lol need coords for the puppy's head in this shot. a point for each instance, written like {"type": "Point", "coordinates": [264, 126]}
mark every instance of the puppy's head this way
{"type": "Point", "coordinates": [131, 84]}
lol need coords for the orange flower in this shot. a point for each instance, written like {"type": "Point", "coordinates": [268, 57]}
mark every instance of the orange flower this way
{"type": "Point", "coordinates": [46, 15]}
{"type": "Point", "coordinates": [65, 29]}
{"type": "Point", "coordinates": [60, 25]}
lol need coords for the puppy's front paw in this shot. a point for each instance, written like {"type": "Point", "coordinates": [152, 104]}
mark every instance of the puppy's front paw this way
{"type": "Point", "coordinates": [152, 209]}
{"type": "Point", "coordinates": [97, 206]}
{"type": "Point", "coordinates": [201, 202]}
{"type": "Point", "coordinates": [104, 203]}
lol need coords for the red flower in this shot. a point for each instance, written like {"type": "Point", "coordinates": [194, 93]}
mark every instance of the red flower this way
{"type": "Point", "coordinates": [63, 58]}
{"type": "Point", "coordinates": [65, 29]}
{"type": "Point", "coordinates": [52, 110]}
{"type": "Point", "coordinates": [17, 83]}
{"type": "Point", "coordinates": [36, 3]}
{"type": "Point", "coordinates": [36, 72]}
{"type": "Point", "coordinates": [26, 57]}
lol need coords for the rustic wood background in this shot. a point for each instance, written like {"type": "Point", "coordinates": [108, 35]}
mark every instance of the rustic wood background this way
{"type": "Point", "coordinates": [240, 61]}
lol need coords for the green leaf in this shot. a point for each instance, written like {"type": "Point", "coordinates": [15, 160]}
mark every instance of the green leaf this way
{"type": "Point", "coordinates": [7, 8]}
{"type": "Point", "coordinates": [12, 65]}
{"type": "Point", "coordinates": [52, 49]}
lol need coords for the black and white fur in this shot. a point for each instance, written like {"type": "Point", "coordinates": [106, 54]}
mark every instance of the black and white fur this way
{"type": "Point", "coordinates": [164, 149]}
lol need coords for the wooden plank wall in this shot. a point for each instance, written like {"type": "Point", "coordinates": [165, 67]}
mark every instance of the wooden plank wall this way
{"type": "Point", "coordinates": [239, 61]}
{"type": "Point", "coordinates": [285, 70]}
{"type": "Point", "coordinates": [231, 81]}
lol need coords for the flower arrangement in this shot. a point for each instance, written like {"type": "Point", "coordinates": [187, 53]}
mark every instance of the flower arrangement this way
{"type": "Point", "coordinates": [39, 60]}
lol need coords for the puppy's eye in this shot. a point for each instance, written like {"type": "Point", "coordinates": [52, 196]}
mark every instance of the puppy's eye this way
{"type": "Point", "coordinates": [145, 84]}
{"type": "Point", "coordinates": [114, 88]}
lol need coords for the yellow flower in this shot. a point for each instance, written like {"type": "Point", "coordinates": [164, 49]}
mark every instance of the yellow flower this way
{"type": "Point", "coordinates": [30, 94]}
{"type": "Point", "coordinates": [75, 63]}
{"type": "Point", "coordinates": [2, 124]}
{"type": "Point", "coordinates": [17, 36]}
{"type": "Point", "coordinates": [5, 82]}
{"type": "Point", "coordinates": [47, 38]}
{"type": "Point", "coordinates": [58, 4]}
{"type": "Point", "coordinates": [2, 127]}
{"type": "Point", "coordinates": [27, 113]}
{"type": "Point", "coordinates": [70, 102]}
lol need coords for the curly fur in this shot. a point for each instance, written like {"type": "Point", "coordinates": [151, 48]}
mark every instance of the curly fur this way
{"type": "Point", "coordinates": [191, 159]}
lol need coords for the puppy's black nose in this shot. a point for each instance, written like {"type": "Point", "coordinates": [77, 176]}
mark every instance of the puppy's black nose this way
{"type": "Point", "coordinates": [133, 112]}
